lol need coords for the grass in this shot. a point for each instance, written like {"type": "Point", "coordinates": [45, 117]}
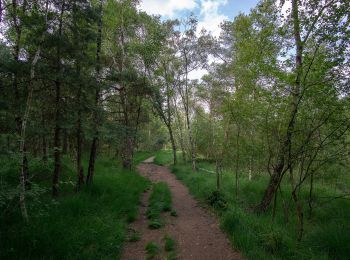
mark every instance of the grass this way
{"type": "Point", "coordinates": [169, 243]}
{"type": "Point", "coordinates": [173, 213]}
{"type": "Point", "coordinates": [134, 236]}
{"type": "Point", "coordinates": [152, 250]}
{"type": "Point", "coordinates": [141, 156]}
{"type": "Point", "coordinates": [164, 157]}
{"type": "Point", "coordinates": [159, 201]}
{"type": "Point", "coordinates": [171, 256]}
{"type": "Point", "coordinates": [327, 233]}
{"type": "Point", "coordinates": [89, 225]}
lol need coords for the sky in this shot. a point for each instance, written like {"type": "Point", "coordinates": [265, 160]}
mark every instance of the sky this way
{"type": "Point", "coordinates": [210, 14]}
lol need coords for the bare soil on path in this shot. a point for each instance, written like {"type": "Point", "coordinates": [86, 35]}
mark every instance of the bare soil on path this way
{"type": "Point", "coordinates": [195, 230]}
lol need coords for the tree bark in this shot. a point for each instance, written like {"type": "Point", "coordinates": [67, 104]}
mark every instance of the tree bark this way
{"type": "Point", "coordinates": [80, 171]}
{"type": "Point", "coordinates": [279, 168]}
{"type": "Point", "coordinates": [18, 119]}
{"type": "Point", "coordinates": [44, 149]}
{"type": "Point", "coordinates": [173, 145]}
{"type": "Point", "coordinates": [93, 149]}
{"type": "Point", "coordinates": [311, 194]}
{"type": "Point", "coordinates": [24, 176]}
{"type": "Point", "coordinates": [65, 141]}
{"type": "Point", "coordinates": [57, 134]}
{"type": "Point", "coordinates": [79, 129]}
{"type": "Point", "coordinates": [299, 209]}
{"type": "Point", "coordinates": [172, 140]}
{"type": "Point", "coordinates": [182, 146]}
{"type": "Point", "coordinates": [237, 160]}
{"type": "Point", "coordinates": [218, 171]}
{"type": "Point", "coordinates": [188, 122]}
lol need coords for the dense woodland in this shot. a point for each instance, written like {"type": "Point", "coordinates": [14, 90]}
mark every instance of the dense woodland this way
{"type": "Point", "coordinates": [86, 80]}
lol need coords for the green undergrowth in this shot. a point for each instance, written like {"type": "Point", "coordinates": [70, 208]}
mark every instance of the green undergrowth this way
{"type": "Point", "coordinates": [152, 250]}
{"type": "Point", "coordinates": [159, 201]}
{"type": "Point", "coordinates": [141, 156]}
{"type": "Point", "coordinates": [169, 243]}
{"type": "Point", "coordinates": [326, 235]}
{"type": "Point", "coordinates": [88, 225]}
{"type": "Point", "coordinates": [155, 251]}
{"type": "Point", "coordinates": [164, 157]}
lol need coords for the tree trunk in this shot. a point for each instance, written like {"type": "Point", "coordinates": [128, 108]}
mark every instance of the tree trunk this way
{"type": "Point", "coordinates": [79, 130]}
{"type": "Point", "coordinates": [277, 174]}
{"type": "Point", "coordinates": [57, 142]}
{"type": "Point", "coordinates": [311, 194]}
{"type": "Point", "coordinates": [93, 149]}
{"type": "Point", "coordinates": [218, 171]}
{"type": "Point", "coordinates": [274, 207]}
{"type": "Point", "coordinates": [24, 178]}
{"type": "Point", "coordinates": [173, 145]}
{"type": "Point", "coordinates": [127, 153]}
{"type": "Point", "coordinates": [92, 159]}
{"type": "Point", "coordinates": [299, 209]}
{"type": "Point", "coordinates": [27, 182]}
{"type": "Point", "coordinates": [65, 141]}
{"type": "Point", "coordinates": [44, 149]}
{"type": "Point", "coordinates": [193, 154]}
{"type": "Point", "coordinates": [80, 171]}
{"type": "Point", "coordinates": [43, 140]}
{"type": "Point", "coordinates": [18, 120]}
{"type": "Point", "coordinates": [187, 111]}
{"type": "Point", "coordinates": [237, 161]}
{"type": "Point", "coordinates": [182, 146]}
{"type": "Point", "coordinates": [57, 135]}
{"type": "Point", "coordinates": [250, 174]}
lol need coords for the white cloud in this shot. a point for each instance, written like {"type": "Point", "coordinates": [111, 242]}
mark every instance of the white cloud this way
{"type": "Point", "coordinates": [167, 7]}
{"type": "Point", "coordinates": [197, 74]}
{"type": "Point", "coordinates": [200, 72]}
{"type": "Point", "coordinates": [210, 17]}
{"type": "Point", "coordinates": [285, 8]}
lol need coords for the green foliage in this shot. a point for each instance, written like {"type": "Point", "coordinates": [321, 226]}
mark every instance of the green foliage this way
{"type": "Point", "coordinates": [155, 223]}
{"type": "Point", "coordinates": [173, 213]}
{"type": "Point", "coordinates": [153, 136]}
{"type": "Point", "coordinates": [104, 70]}
{"type": "Point", "coordinates": [134, 236]}
{"type": "Point", "coordinates": [169, 243]}
{"type": "Point", "coordinates": [140, 156]}
{"type": "Point", "coordinates": [152, 249]}
{"type": "Point", "coordinates": [171, 256]}
{"type": "Point", "coordinates": [257, 236]}
{"type": "Point", "coordinates": [159, 201]}
{"type": "Point", "coordinates": [333, 237]}
{"type": "Point", "coordinates": [217, 200]}
{"type": "Point", "coordinates": [91, 224]}
{"type": "Point", "coordinates": [163, 157]}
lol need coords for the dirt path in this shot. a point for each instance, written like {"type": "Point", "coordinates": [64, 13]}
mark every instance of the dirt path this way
{"type": "Point", "coordinates": [195, 230]}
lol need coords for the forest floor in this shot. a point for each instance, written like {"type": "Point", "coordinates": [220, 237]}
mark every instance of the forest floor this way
{"type": "Point", "coordinates": [195, 230]}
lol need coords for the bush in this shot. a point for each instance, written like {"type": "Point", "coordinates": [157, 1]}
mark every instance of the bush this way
{"type": "Point", "coordinates": [217, 200]}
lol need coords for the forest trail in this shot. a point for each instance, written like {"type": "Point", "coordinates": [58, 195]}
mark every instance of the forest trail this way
{"type": "Point", "coordinates": [195, 230]}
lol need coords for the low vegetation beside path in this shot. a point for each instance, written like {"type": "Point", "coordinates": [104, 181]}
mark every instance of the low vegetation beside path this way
{"type": "Point", "coordinates": [159, 201]}
{"type": "Point", "coordinates": [89, 225]}
{"type": "Point", "coordinates": [327, 232]}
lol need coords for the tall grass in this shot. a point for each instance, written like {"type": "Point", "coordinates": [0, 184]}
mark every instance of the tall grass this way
{"type": "Point", "coordinates": [88, 225]}
{"type": "Point", "coordinates": [327, 233]}
{"type": "Point", "coordinates": [159, 201]}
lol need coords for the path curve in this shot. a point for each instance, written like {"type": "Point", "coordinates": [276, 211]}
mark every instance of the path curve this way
{"type": "Point", "coordinates": [195, 230]}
